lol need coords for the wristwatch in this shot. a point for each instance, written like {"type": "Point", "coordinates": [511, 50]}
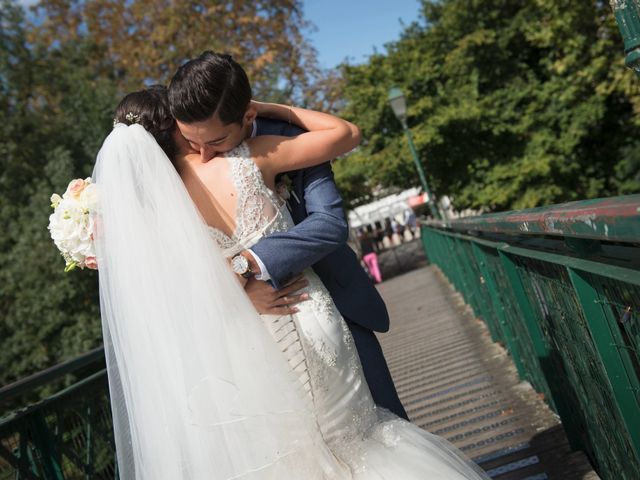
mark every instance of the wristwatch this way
{"type": "Point", "coordinates": [240, 265]}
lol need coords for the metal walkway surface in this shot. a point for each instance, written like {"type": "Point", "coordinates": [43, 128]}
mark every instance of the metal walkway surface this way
{"type": "Point", "coordinates": [455, 382]}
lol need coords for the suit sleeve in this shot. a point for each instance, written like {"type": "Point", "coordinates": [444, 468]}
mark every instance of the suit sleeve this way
{"type": "Point", "coordinates": [320, 233]}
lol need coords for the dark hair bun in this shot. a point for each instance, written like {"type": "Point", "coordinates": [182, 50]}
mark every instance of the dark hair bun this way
{"type": "Point", "coordinates": [150, 108]}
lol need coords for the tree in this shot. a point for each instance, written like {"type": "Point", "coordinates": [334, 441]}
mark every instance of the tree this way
{"type": "Point", "coordinates": [512, 104]}
{"type": "Point", "coordinates": [55, 113]}
{"type": "Point", "coordinates": [61, 77]}
{"type": "Point", "coordinates": [147, 40]}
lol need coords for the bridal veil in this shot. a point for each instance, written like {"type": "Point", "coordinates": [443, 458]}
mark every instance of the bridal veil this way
{"type": "Point", "coordinates": [199, 390]}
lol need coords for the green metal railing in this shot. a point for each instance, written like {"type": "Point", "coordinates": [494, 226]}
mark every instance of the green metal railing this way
{"type": "Point", "coordinates": [559, 287]}
{"type": "Point", "coordinates": [67, 435]}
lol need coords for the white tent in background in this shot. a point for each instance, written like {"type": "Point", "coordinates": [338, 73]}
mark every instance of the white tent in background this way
{"type": "Point", "coordinates": [392, 206]}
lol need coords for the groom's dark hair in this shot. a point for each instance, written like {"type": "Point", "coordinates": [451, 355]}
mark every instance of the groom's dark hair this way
{"type": "Point", "coordinates": [213, 83]}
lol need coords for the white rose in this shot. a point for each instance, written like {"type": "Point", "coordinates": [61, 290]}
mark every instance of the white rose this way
{"type": "Point", "coordinates": [89, 197]}
{"type": "Point", "coordinates": [55, 200]}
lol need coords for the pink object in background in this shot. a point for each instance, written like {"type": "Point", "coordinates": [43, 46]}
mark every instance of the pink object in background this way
{"type": "Point", "coordinates": [371, 260]}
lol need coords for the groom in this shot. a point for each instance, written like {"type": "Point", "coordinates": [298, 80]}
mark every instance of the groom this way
{"type": "Point", "coordinates": [210, 98]}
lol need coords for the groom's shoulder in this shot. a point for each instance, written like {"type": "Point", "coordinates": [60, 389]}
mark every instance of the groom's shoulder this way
{"type": "Point", "coordinates": [270, 126]}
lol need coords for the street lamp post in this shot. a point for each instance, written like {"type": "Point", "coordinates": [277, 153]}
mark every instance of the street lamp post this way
{"type": "Point", "coordinates": [627, 15]}
{"type": "Point", "coordinates": [399, 107]}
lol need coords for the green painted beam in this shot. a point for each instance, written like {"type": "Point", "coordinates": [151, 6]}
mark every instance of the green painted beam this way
{"type": "Point", "coordinates": [605, 270]}
{"type": "Point", "coordinates": [43, 377]}
{"type": "Point", "coordinates": [611, 219]}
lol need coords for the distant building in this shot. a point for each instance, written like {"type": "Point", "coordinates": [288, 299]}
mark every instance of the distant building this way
{"type": "Point", "coordinates": [393, 207]}
{"type": "Point", "coordinates": [390, 207]}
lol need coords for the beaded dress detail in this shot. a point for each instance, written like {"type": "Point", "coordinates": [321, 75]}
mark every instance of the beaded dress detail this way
{"type": "Point", "coordinates": [370, 441]}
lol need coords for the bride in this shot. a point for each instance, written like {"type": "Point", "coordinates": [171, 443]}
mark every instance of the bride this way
{"type": "Point", "coordinates": [202, 387]}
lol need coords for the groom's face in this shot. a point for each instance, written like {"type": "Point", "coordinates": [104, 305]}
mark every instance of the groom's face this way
{"type": "Point", "coordinates": [211, 137]}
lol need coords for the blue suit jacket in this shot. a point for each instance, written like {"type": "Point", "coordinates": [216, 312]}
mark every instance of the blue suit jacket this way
{"type": "Point", "coordinates": [319, 240]}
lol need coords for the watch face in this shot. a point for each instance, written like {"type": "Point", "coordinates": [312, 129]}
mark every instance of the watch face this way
{"type": "Point", "coordinates": [239, 264]}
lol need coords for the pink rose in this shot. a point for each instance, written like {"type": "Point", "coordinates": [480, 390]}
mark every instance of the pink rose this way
{"type": "Point", "coordinates": [91, 262]}
{"type": "Point", "coordinates": [76, 186]}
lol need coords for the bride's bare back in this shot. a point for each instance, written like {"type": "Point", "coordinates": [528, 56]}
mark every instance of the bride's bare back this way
{"type": "Point", "coordinates": [211, 189]}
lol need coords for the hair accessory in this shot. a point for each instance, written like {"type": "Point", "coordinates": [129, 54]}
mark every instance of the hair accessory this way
{"type": "Point", "coordinates": [131, 118]}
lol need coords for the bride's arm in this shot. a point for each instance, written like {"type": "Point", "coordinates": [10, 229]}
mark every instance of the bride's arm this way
{"type": "Point", "coordinates": [327, 137]}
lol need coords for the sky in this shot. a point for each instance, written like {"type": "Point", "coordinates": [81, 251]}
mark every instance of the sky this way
{"type": "Point", "coordinates": [352, 28]}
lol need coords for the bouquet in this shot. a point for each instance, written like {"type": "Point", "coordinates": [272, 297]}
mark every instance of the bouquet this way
{"type": "Point", "coordinates": [72, 223]}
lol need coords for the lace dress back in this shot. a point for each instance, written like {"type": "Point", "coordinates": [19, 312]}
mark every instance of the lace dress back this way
{"type": "Point", "coordinates": [259, 211]}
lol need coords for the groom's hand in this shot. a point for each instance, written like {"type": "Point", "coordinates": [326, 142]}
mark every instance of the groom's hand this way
{"type": "Point", "coordinates": [269, 301]}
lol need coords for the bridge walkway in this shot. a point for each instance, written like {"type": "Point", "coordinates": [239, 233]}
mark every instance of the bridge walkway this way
{"type": "Point", "coordinates": [455, 382]}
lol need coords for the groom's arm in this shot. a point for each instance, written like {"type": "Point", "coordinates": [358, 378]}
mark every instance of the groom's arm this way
{"type": "Point", "coordinates": [284, 254]}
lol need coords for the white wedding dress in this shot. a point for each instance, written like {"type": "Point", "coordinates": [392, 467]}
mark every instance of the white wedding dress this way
{"type": "Point", "coordinates": [369, 442]}
{"type": "Point", "coordinates": [201, 386]}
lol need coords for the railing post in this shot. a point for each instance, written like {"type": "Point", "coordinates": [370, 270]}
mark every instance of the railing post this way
{"type": "Point", "coordinates": [482, 302]}
{"type": "Point", "coordinates": [450, 264]}
{"type": "Point", "coordinates": [429, 245]}
{"type": "Point", "coordinates": [547, 379]}
{"type": "Point", "coordinates": [89, 439]}
{"type": "Point", "coordinates": [44, 443]}
{"type": "Point", "coordinates": [540, 346]}
{"type": "Point", "coordinates": [507, 332]}
{"type": "Point", "coordinates": [607, 340]}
